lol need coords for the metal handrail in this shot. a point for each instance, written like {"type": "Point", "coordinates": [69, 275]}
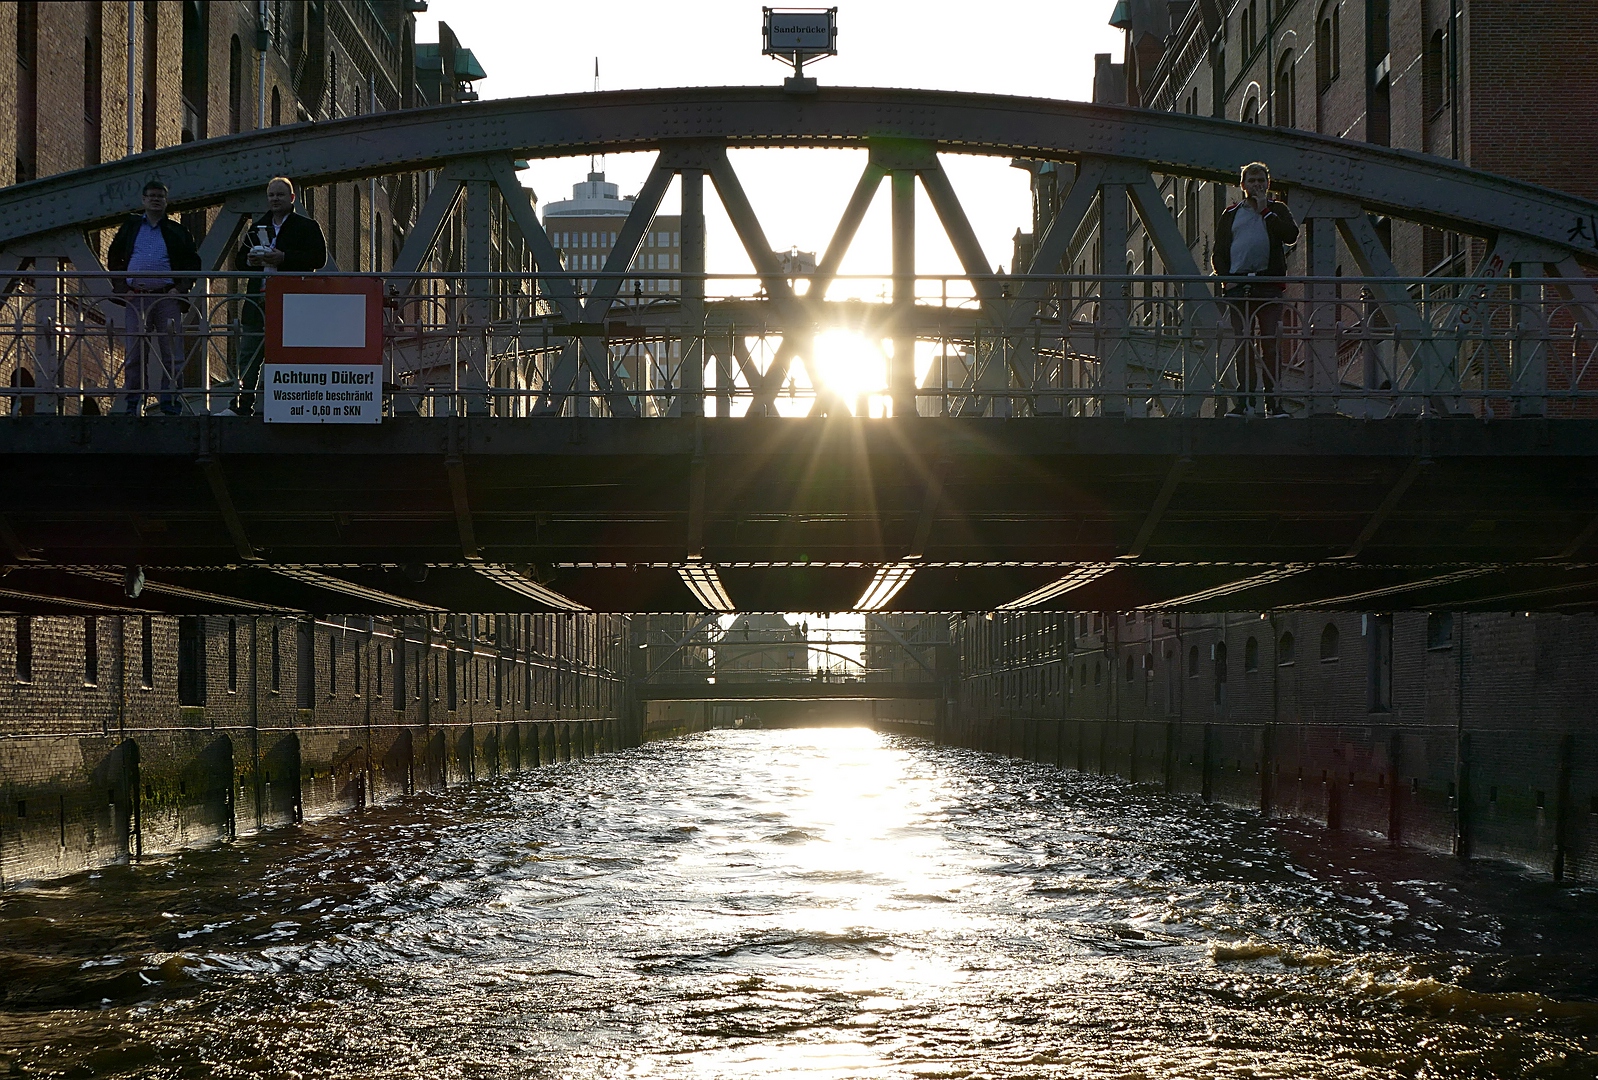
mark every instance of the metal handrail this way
{"type": "Point", "coordinates": [508, 344]}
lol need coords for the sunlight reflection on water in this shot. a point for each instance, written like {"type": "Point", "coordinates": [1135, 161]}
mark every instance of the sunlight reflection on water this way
{"type": "Point", "coordinates": [810, 903]}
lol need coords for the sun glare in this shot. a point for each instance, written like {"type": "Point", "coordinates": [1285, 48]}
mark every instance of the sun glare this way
{"type": "Point", "coordinates": [850, 365]}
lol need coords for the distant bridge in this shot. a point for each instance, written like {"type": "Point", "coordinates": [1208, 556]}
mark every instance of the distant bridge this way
{"type": "Point", "coordinates": [788, 691]}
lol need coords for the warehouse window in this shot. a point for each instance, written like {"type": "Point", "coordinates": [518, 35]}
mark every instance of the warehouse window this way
{"type": "Point", "coordinates": [24, 648]}
{"type": "Point", "coordinates": [147, 651]}
{"type": "Point", "coordinates": [91, 651]}
{"type": "Point", "coordinates": [1440, 630]}
{"type": "Point", "coordinates": [1251, 655]}
{"type": "Point", "coordinates": [1329, 643]}
{"type": "Point", "coordinates": [1284, 650]}
{"type": "Point", "coordinates": [191, 660]}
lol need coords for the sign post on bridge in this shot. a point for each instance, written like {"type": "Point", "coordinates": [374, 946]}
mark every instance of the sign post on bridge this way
{"type": "Point", "coordinates": [324, 350]}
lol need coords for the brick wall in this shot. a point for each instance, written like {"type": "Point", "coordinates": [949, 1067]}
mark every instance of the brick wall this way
{"type": "Point", "coordinates": [98, 770]}
{"type": "Point", "coordinates": [1485, 743]}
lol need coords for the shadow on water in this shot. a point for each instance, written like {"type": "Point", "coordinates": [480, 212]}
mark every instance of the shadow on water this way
{"type": "Point", "coordinates": [826, 902]}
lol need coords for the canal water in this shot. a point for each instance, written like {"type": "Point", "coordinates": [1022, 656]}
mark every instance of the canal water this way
{"type": "Point", "coordinates": [811, 903]}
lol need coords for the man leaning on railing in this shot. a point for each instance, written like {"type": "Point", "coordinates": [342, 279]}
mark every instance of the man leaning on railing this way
{"type": "Point", "coordinates": [1250, 247]}
{"type": "Point", "coordinates": [152, 247]}
{"type": "Point", "coordinates": [278, 241]}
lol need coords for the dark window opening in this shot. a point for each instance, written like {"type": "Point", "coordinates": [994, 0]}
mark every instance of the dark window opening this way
{"type": "Point", "coordinates": [1220, 672]}
{"type": "Point", "coordinates": [91, 651]}
{"type": "Point", "coordinates": [277, 107]}
{"type": "Point", "coordinates": [1378, 78]}
{"type": "Point", "coordinates": [1251, 655]}
{"type": "Point", "coordinates": [1193, 662]}
{"type": "Point", "coordinates": [1329, 643]}
{"type": "Point", "coordinates": [150, 100]}
{"type": "Point", "coordinates": [232, 656]}
{"type": "Point", "coordinates": [399, 673]}
{"type": "Point", "coordinates": [92, 86]}
{"type": "Point", "coordinates": [277, 658]}
{"type": "Point", "coordinates": [24, 648]}
{"type": "Point", "coordinates": [305, 664]}
{"type": "Point", "coordinates": [1434, 68]}
{"type": "Point", "coordinates": [27, 90]}
{"type": "Point", "coordinates": [1284, 650]}
{"type": "Point", "coordinates": [147, 653]}
{"type": "Point", "coordinates": [1285, 96]}
{"type": "Point", "coordinates": [1440, 630]}
{"type": "Point", "coordinates": [235, 86]}
{"type": "Point", "coordinates": [196, 71]}
{"type": "Point", "coordinates": [191, 660]}
{"type": "Point", "coordinates": [1380, 674]}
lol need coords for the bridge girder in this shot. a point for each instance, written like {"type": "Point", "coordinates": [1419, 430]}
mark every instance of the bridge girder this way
{"type": "Point", "coordinates": [1401, 183]}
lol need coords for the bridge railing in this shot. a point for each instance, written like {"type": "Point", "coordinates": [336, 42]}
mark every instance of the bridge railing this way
{"type": "Point", "coordinates": [726, 345]}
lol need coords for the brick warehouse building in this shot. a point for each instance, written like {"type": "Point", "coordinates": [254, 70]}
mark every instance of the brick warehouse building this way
{"type": "Point", "coordinates": [1463, 733]}
{"type": "Point", "coordinates": [128, 734]}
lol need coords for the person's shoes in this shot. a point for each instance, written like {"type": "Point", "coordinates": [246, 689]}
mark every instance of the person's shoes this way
{"type": "Point", "coordinates": [1277, 414]}
{"type": "Point", "coordinates": [1234, 411]}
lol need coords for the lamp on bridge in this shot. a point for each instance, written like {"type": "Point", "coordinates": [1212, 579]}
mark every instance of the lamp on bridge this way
{"type": "Point", "coordinates": [795, 35]}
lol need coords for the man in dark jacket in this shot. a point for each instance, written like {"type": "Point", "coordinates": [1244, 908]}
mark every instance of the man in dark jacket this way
{"type": "Point", "coordinates": [155, 249]}
{"type": "Point", "coordinates": [278, 241]}
{"type": "Point", "coordinates": [1250, 249]}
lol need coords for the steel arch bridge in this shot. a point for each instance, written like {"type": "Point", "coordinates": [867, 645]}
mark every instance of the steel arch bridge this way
{"type": "Point", "coordinates": [1070, 458]}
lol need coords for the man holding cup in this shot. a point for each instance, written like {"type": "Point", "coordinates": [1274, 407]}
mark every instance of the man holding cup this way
{"type": "Point", "coordinates": [279, 241]}
{"type": "Point", "coordinates": [1250, 255]}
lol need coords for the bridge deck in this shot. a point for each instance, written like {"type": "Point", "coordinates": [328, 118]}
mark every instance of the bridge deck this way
{"type": "Point", "coordinates": [797, 513]}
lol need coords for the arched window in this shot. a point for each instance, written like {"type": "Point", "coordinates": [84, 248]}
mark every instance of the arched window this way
{"type": "Point", "coordinates": [1131, 666]}
{"type": "Point", "coordinates": [1251, 110]}
{"type": "Point", "coordinates": [1220, 672]}
{"type": "Point", "coordinates": [277, 107]}
{"type": "Point", "coordinates": [1285, 99]}
{"type": "Point", "coordinates": [1192, 662]}
{"type": "Point", "coordinates": [1098, 672]}
{"type": "Point", "coordinates": [1329, 643]}
{"type": "Point", "coordinates": [1440, 630]}
{"type": "Point", "coordinates": [1284, 650]}
{"type": "Point", "coordinates": [1190, 212]}
{"type": "Point", "coordinates": [1251, 655]}
{"type": "Point", "coordinates": [1326, 47]}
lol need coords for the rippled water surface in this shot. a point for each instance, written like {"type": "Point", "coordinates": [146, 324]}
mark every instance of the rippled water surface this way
{"type": "Point", "coordinates": [819, 903]}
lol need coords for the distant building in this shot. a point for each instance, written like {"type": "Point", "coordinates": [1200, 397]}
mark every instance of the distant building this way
{"type": "Point", "coordinates": [584, 229]}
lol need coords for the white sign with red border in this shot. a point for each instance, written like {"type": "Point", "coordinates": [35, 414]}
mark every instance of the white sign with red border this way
{"type": "Point", "coordinates": [324, 350]}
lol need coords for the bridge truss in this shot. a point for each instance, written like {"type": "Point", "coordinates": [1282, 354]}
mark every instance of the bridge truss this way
{"type": "Point", "coordinates": [558, 443]}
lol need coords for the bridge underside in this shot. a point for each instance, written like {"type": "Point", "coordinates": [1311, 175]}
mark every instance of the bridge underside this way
{"type": "Point", "coordinates": [536, 514]}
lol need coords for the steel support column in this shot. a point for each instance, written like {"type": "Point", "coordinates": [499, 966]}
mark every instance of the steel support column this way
{"type": "Point", "coordinates": [902, 366]}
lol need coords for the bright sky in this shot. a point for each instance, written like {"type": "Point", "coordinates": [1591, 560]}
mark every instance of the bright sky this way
{"type": "Point", "coordinates": [1035, 48]}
